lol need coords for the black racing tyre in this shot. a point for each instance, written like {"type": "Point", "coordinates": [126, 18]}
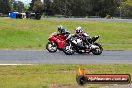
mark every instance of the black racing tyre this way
{"type": "Point", "coordinates": [97, 51]}
{"type": "Point", "coordinates": [81, 80]}
{"type": "Point", "coordinates": [68, 50]}
{"type": "Point", "coordinates": [51, 47]}
{"type": "Point", "coordinates": [80, 52]}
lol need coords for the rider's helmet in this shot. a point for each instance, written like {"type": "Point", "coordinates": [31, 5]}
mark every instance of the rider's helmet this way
{"type": "Point", "coordinates": [60, 28]}
{"type": "Point", "coordinates": [79, 30]}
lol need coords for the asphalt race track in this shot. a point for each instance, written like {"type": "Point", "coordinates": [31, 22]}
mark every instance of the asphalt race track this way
{"type": "Point", "coordinates": [44, 57]}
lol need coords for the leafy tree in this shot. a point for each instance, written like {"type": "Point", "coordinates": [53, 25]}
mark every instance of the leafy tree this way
{"type": "Point", "coordinates": [5, 6]}
{"type": "Point", "coordinates": [126, 9]}
{"type": "Point", "coordinates": [86, 7]}
{"type": "Point", "coordinates": [78, 8]}
{"type": "Point", "coordinates": [36, 6]}
{"type": "Point", "coordinates": [48, 7]}
{"type": "Point", "coordinates": [63, 7]}
{"type": "Point", "coordinates": [18, 6]}
{"type": "Point", "coordinates": [31, 5]}
{"type": "Point", "coordinates": [107, 7]}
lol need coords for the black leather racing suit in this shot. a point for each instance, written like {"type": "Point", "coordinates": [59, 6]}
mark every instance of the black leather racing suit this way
{"type": "Point", "coordinates": [84, 37]}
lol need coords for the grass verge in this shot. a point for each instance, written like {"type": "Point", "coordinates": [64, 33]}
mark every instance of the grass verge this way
{"type": "Point", "coordinates": [33, 34]}
{"type": "Point", "coordinates": [54, 76]}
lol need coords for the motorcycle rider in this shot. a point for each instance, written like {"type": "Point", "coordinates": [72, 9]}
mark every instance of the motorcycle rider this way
{"type": "Point", "coordinates": [84, 36]}
{"type": "Point", "coordinates": [62, 31]}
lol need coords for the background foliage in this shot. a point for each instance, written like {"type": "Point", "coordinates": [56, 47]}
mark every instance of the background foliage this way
{"type": "Point", "coordinates": [76, 8]}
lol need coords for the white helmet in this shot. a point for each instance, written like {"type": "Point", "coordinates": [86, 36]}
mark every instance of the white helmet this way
{"type": "Point", "coordinates": [79, 30]}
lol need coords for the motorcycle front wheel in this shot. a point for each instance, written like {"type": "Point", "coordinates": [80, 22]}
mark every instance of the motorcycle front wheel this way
{"type": "Point", "coordinates": [68, 49]}
{"type": "Point", "coordinates": [97, 51]}
{"type": "Point", "coordinates": [51, 47]}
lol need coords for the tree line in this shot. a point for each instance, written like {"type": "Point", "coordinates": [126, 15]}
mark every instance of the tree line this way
{"type": "Point", "coordinates": [68, 8]}
{"type": "Point", "coordinates": [100, 8]}
{"type": "Point", "coordinates": [7, 6]}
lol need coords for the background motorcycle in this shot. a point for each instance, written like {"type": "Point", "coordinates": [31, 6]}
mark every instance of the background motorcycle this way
{"type": "Point", "coordinates": [74, 44]}
{"type": "Point", "coordinates": [56, 41]}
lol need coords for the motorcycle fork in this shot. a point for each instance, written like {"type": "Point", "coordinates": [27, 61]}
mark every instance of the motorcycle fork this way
{"type": "Point", "coordinates": [52, 42]}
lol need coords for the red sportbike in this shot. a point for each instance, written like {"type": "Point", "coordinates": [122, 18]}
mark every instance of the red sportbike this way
{"type": "Point", "coordinates": [56, 41]}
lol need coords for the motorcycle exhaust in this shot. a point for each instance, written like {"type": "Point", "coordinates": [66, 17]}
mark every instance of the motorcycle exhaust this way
{"type": "Point", "coordinates": [94, 46]}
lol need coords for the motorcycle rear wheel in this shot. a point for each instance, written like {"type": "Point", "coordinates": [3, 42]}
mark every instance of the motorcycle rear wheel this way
{"type": "Point", "coordinates": [51, 47]}
{"type": "Point", "coordinates": [97, 51]}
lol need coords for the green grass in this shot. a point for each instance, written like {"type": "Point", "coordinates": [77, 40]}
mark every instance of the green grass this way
{"type": "Point", "coordinates": [54, 76]}
{"type": "Point", "coordinates": [33, 34]}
